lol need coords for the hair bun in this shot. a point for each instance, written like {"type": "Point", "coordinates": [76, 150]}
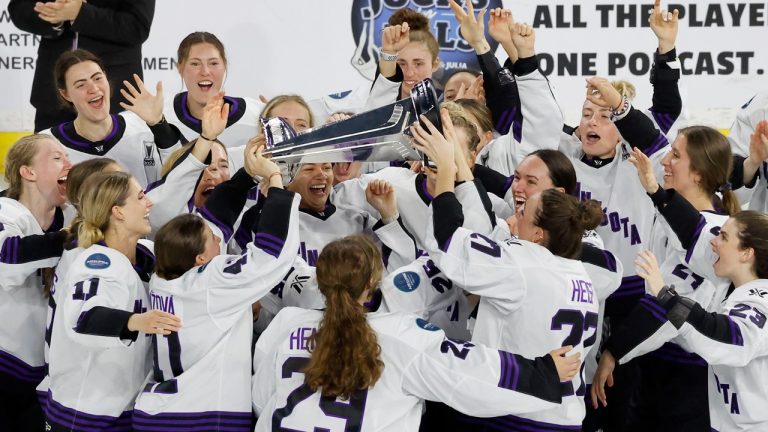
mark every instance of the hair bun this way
{"type": "Point", "coordinates": [416, 21]}
{"type": "Point", "coordinates": [588, 215]}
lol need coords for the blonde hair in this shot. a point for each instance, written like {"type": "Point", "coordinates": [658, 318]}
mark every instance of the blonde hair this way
{"type": "Point", "coordinates": [625, 88]}
{"type": "Point", "coordinates": [462, 121]}
{"type": "Point", "coordinates": [174, 157]}
{"type": "Point", "coordinates": [277, 100]}
{"type": "Point", "coordinates": [99, 194]}
{"type": "Point", "coordinates": [21, 154]}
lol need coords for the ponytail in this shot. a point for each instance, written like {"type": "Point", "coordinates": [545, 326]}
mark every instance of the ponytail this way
{"type": "Point", "coordinates": [730, 202]}
{"type": "Point", "coordinates": [345, 351]}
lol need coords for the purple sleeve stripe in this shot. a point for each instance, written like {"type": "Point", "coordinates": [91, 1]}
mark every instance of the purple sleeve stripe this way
{"type": "Point", "coordinates": [154, 185]}
{"type": "Point", "coordinates": [505, 120]}
{"type": "Point", "coordinates": [226, 230]}
{"type": "Point", "coordinates": [212, 420]}
{"type": "Point", "coordinates": [736, 337]}
{"type": "Point", "coordinates": [508, 182]}
{"type": "Point", "coordinates": [628, 292]}
{"type": "Point", "coordinates": [696, 234]}
{"type": "Point", "coordinates": [242, 237]}
{"type": "Point", "coordinates": [444, 247]}
{"type": "Point", "coordinates": [659, 143]}
{"type": "Point", "coordinates": [645, 303]}
{"type": "Point", "coordinates": [664, 120]}
{"type": "Point", "coordinates": [517, 129]}
{"type": "Point", "coordinates": [267, 248]}
{"type": "Point", "coordinates": [678, 359]}
{"type": "Point", "coordinates": [269, 238]}
{"type": "Point", "coordinates": [610, 260]}
{"type": "Point", "coordinates": [254, 193]}
{"type": "Point", "coordinates": [8, 253]}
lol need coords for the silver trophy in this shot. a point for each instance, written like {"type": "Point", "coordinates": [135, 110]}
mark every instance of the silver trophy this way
{"type": "Point", "coordinates": [379, 135]}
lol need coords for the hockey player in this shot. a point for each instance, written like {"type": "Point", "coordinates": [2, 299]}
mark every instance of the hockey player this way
{"type": "Point", "coordinates": [201, 377]}
{"type": "Point", "coordinates": [202, 64]}
{"type": "Point", "coordinates": [84, 87]}
{"type": "Point", "coordinates": [733, 339]}
{"type": "Point", "coordinates": [534, 284]}
{"type": "Point", "coordinates": [342, 369]}
{"type": "Point", "coordinates": [36, 169]}
{"type": "Point", "coordinates": [98, 359]}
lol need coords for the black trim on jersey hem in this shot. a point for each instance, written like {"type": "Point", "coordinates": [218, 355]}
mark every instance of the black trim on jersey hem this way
{"type": "Point", "coordinates": [66, 133]}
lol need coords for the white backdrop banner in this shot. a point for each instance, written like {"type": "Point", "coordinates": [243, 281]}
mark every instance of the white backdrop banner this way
{"type": "Point", "coordinates": [314, 48]}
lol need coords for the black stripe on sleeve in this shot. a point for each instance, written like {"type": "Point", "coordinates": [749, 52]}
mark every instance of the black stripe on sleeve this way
{"type": "Point", "coordinates": [104, 321]}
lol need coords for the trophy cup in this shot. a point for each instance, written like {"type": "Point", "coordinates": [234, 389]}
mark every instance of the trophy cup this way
{"type": "Point", "coordinates": [379, 135]}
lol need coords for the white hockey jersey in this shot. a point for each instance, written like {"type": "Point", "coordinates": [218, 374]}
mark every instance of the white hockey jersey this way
{"type": "Point", "coordinates": [747, 118]}
{"type": "Point", "coordinates": [420, 363]}
{"type": "Point", "coordinates": [541, 127]}
{"type": "Point", "coordinates": [202, 373]}
{"type": "Point", "coordinates": [735, 344]}
{"type": "Point", "coordinates": [25, 249]}
{"type": "Point", "coordinates": [523, 286]}
{"type": "Point", "coordinates": [96, 366]}
{"type": "Point", "coordinates": [130, 143]}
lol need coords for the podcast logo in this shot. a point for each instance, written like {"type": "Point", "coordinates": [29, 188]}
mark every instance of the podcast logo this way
{"type": "Point", "coordinates": [369, 17]}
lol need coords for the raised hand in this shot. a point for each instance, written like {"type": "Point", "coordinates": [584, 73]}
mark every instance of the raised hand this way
{"type": "Point", "coordinates": [758, 142]}
{"type": "Point", "coordinates": [215, 116]}
{"type": "Point", "coordinates": [381, 195]}
{"type": "Point", "coordinates": [472, 26]}
{"type": "Point", "coordinates": [664, 25]}
{"type": "Point", "coordinates": [500, 25]}
{"type": "Point", "coordinates": [434, 144]}
{"type": "Point", "coordinates": [394, 38]}
{"type": "Point", "coordinates": [567, 366]}
{"type": "Point", "coordinates": [154, 322]}
{"type": "Point", "coordinates": [148, 106]}
{"type": "Point", "coordinates": [603, 376]}
{"type": "Point", "coordinates": [258, 165]}
{"type": "Point", "coordinates": [647, 268]}
{"type": "Point", "coordinates": [524, 39]}
{"type": "Point", "coordinates": [601, 93]}
{"type": "Point", "coordinates": [474, 91]}
{"type": "Point", "coordinates": [644, 170]}
{"type": "Point", "coordinates": [338, 116]}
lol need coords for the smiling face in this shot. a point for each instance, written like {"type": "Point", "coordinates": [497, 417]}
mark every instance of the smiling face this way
{"type": "Point", "coordinates": [135, 212]}
{"type": "Point", "coordinates": [48, 171]}
{"type": "Point", "coordinates": [731, 256]}
{"type": "Point", "coordinates": [417, 64]}
{"type": "Point", "coordinates": [203, 72]}
{"type": "Point", "coordinates": [87, 88]}
{"type": "Point", "coordinates": [599, 135]}
{"type": "Point", "coordinates": [346, 170]}
{"type": "Point", "coordinates": [677, 168]}
{"type": "Point", "coordinates": [531, 177]}
{"type": "Point", "coordinates": [313, 182]}
{"type": "Point", "coordinates": [213, 175]}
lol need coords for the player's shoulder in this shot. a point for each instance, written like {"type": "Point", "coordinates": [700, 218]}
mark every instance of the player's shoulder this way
{"type": "Point", "coordinates": [14, 212]}
{"type": "Point", "coordinates": [101, 260]}
{"type": "Point", "coordinates": [406, 330]}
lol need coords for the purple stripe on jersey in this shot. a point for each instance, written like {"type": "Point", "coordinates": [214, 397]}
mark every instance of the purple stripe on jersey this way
{"type": "Point", "coordinates": [269, 238]}
{"type": "Point", "coordinates": [630, 286]}
{"type": "Point", "coordinates": [68, 417]}
{"type": "Point", "coordinates": [447, 244]}
{"type": "Point", "coordinates": [505, 120]}
{"type": "Point", "coordinates": [674, 353]}
{"type": "Point", "coordinates": [508, 182]}
{"type": "Point", "coordinates": [209, 420]}
{"type": "Point", "coordinates": [647, 305]}
{"type": "Point", "coordinates": [659, 143]}
{"type": "Point", "coordinates": [517, 130]}
{"type": "Point", "coordinates": [11, 365]}
{"type": "Point", "coordinates": [696, 234]}
{"type": "Point", "coordinates": [610, 260]}
{"type": "Point", "coordinates": [90, 143]}
{"type": "Point", "coordinates": [185, 110]}
{"type": "Point", "coordinates": [424, 190]}
{"type": "Point", "coordinates": [8, 253]}
{"type": "Point", "coordinates": [226, 230]}
{"type": "Point", "coordinates": [677, 359]}
{"type": "Point", "coordinates": [736, 336]}
{"type": "Point", "coordinates": [664, 120]}
{"type": "Point", "coordinates": [254, 194]}
{"type": "Point", "coordinates": [267, 248]}
{"type": "Point", "coordinates": [233, 105]}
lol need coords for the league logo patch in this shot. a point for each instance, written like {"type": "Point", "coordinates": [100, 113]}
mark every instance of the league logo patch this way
{"type": "Point", "coordinates": [369, 17]}
{"type": "Point", "coordinates": [426, 325]}
{"type": "Point", "coordinates": [97, 261]}
{"type": "Point", "coordinates": [758, 292]}
{"type": "Point", "coordinates": [407, 281]}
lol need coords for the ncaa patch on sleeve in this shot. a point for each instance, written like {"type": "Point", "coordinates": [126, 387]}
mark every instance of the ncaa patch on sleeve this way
{"type": "Point", "coordinates": [97, 261]}
{"type": "Point", "coordinates": [407, 281]}
{"type": "Point", "coordinates": [426, 325]}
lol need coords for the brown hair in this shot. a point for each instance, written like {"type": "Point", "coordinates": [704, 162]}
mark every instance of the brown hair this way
{"type": "Point", "coordinates": [182, 54]}
{"type": "Point", "coordinates": [564, 219]}
{"type": "Point", "coordinates": [277, 100]}
{"type": "Point", "coordinates": [21, 154]}
{"type": "Point", "coordinates": [561, 171]}
{"type": "Point", "coordinates": [753, 233]}
{"type": "Point", "coordinates": [172, 158]}
{"type": "Point", "coordinates": [711, 158]}
{"type": "Point", "coordinates": [177, 244]}
{"type": "Point", "coordinates": [100, 192]}
{"type": "Point", "coordinates": [479, 111]}
{"type": "Point", "coordinates": [345, 351]}
{"type": "Point", "coordinates": [66, 60]}
{"type": "Point", "coordinates": [419, 29]}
